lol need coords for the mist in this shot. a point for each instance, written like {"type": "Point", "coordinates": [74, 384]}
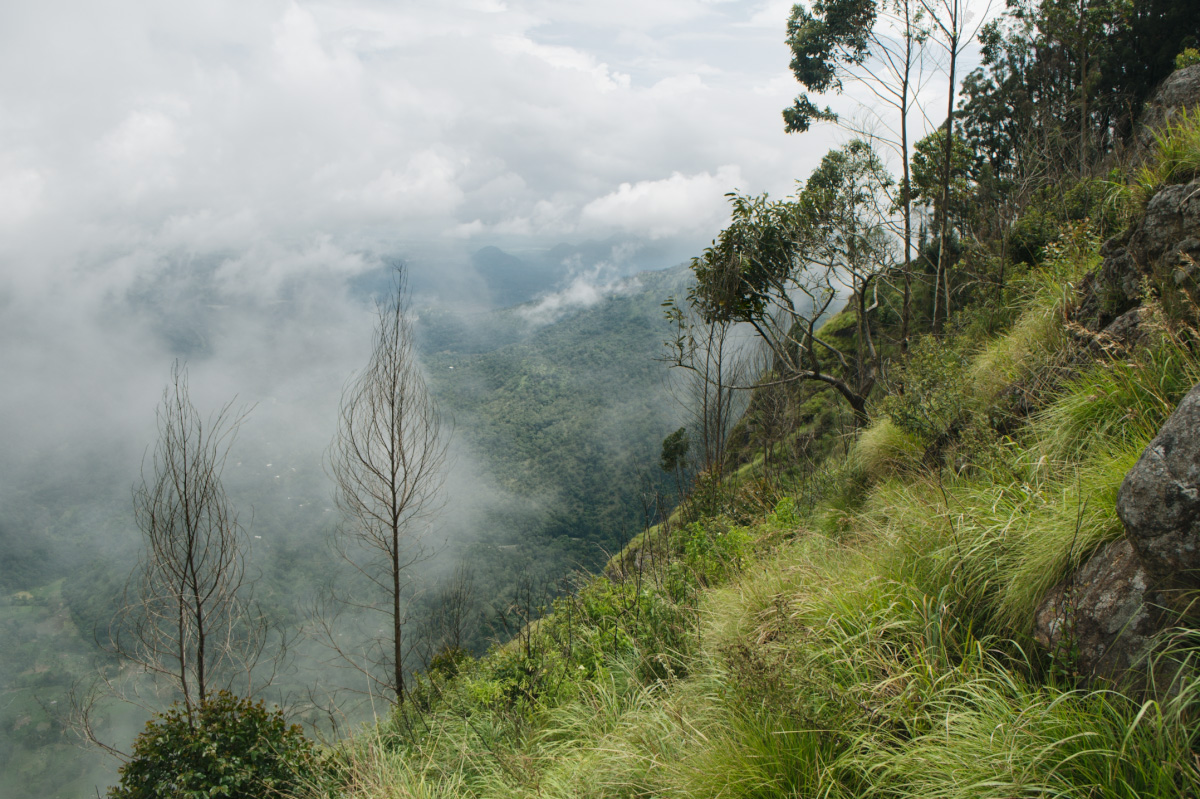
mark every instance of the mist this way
{"type": "Point", "coordinates": [228, 186]}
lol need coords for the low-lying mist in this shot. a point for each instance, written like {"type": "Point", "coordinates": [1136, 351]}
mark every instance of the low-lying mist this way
{"type": "Point", "coordinates": [544, 452]}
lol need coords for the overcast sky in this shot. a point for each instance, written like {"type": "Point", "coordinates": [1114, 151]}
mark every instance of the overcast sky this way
{"type": "Point", "coordinates": [234, 125]}
{"type": "Point", "coordinates": [199, 179]}
{"type": "Point", "coordinates": [276, 147]}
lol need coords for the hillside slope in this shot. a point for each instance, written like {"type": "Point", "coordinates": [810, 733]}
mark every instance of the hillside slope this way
{"type": "Point", "coordinates": [869, 616]}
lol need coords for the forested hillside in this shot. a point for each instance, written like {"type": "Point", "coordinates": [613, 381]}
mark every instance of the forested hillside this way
{"type": "Point", "coordinates": [949, 548]}
{"type": "Point", "coordinates": [568, 416]}
{"type": "Point", "coordinates": [890, 492]}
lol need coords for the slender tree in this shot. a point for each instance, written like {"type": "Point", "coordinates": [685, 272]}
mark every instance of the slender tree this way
{"type": "Point", "coordinates": [880, 45]}
{"type": "Point", "coordinates": [714, 361]}
{"type": "Point", "coordinates": [780, 266]}
{"type": "Point", "coordinates": [455, 612]}
{"type": "Point", "coordinates": [950, 19]}
{"type": "Point", "coordinates": [186, 614]}
{"type": "Point", "coordinates": [386, 463]}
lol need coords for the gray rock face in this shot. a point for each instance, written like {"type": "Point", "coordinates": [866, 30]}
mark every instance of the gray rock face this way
{"type": "Point", "coordinates": [1159, 500]}
{"type": "Point", "coordinates": [1104, 617]}
{"type": "Point", "coordinates": [1167, 235]}
{"type": "Point", "coordinates": [1180, 90]}
{"type": "Point", "coordinates": [1172, 217]}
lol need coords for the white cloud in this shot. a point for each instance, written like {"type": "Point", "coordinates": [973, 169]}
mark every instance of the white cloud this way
{"type": "Point", "coordinates": [585, 289]}
{"type": "Point", "coordinates": [160, 158]}
{"type": "Point", "coordinates": [20, 195]}
{"type": "Point", "coordinates": [428, 185]}
{"type": "Point", "coordinates": [667, 207]}
{"type": "Point", "coordinates": [148, 125]}
{"type": "Point", "coordinates": [568, 58]}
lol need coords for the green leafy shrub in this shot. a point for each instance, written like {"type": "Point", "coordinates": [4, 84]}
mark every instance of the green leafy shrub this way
{"type": "Point", "coordinates": [229, 747]}
{"type": "Point", "coordinates": [448, 661]}
{"type": "Point", "coordinates": [1029, 236]}
{"type": "Point", "coordinates": [1188, 58]}
{"type": "Point", "coordinates": [712, 553]}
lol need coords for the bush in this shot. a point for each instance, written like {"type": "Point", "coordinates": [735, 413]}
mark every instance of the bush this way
{"type": "Point", "coordinates": [229, 747]}
{"type": "Point", "coordinates": [1189, 57]}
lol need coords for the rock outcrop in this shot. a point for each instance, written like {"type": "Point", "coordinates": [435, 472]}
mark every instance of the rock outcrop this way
{"type": "Point", "coordinates": [1180, 90]}
{"type": "Point", "coordinates": [1105, 618]}
{"type": "Point", "coordinates": [1159, 500]}
{"type": "Point", "coordinates": [1164, 244]}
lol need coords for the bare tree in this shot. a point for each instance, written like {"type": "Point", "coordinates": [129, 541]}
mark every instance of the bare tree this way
{"type": "Point", "coordinates": [950, 19]}
{"type": "Point", "coordinates": [455, 611]}
{"type": "Point", "coordinates": [186, 615]}
{"type": "Point", "coordinates": [386, 463]}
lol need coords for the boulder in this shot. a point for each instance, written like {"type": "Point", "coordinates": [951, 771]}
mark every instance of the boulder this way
{"type": "Point", "coordinates": [1181, 89]}
{"type": "Point", "coordinates": [1166, 236]}
{"type": "Point", "coordinates": [1105, 618]}
{"type": "Point", "coordinates": [1159, 500]}
{"type": "Point", "coordinates": [1127, 332]}
{"type": "Point", "coordinates": [1102, 620]}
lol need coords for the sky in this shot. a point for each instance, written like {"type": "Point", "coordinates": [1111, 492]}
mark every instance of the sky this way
{"type": "Point", "coordinates": [205, 180]}
{"type": "Point", "coordinates": [184, 127]}
{"type": "Point", "coordinates": [202, 180]}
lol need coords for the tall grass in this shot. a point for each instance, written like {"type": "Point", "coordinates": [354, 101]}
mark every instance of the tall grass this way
{"type": "Point", "coordinates": [1122, 401]}
{"type": "Point", "coordinates": [1174, 156]}
{"type": "Point", "coordinates": [996, 735]}
{"type": "Point", "coordinates": [869, 638]}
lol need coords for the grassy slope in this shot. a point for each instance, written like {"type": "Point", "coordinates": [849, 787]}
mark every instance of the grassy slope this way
{"type": "Point", "coordinates": [871, 635]}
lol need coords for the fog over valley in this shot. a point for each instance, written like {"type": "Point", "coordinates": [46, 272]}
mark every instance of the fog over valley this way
{"type": "Point", "coordinates": [231, 188]}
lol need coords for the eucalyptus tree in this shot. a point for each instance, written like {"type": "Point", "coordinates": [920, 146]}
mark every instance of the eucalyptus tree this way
{"type": "Point", "coordinates": [880, 45]}
{"type": "Point", "coordinates": [781, 265]}
{"type": "Point", "coordinates": [386, 462]}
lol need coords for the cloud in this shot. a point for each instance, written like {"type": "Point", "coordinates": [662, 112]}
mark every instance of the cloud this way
{"type": "Point", "coordinates": [558, 57]}
{"type": "Point", "coordinates": [426, 186]}
{"type": "Point", "coordinates": [667, 207]}
{"type": "Point", "coordinates": [20, 195]}
{"type": "Point", "coordinates": [585, 289]}
{"type": "Point", "coordinates": [207, 179]}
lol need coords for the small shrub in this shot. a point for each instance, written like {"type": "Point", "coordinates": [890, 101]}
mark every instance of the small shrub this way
{"type": "Point", "coordinates": [229, 747]}
{"type": "Point", "coordinates": [448, 662]}
{"type": "Point", "coordinates": [930, 400]}
{"type": "Point", "coordinates": [1188, 58]}
{"type": "Point", "coordinates": [1030, 234]}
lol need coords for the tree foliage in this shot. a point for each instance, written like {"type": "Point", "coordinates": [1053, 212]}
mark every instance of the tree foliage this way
{"type": "Point", "coordinates": [780, 265]}
{"type": "Point", "coordinates": [927, 176]}
{"type": "Point", "coordinates": [1062, 82]}
{"type": "Point", "coordinates": [228, 747]}
{"type": "Point", "coordinates": [824, 41]}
